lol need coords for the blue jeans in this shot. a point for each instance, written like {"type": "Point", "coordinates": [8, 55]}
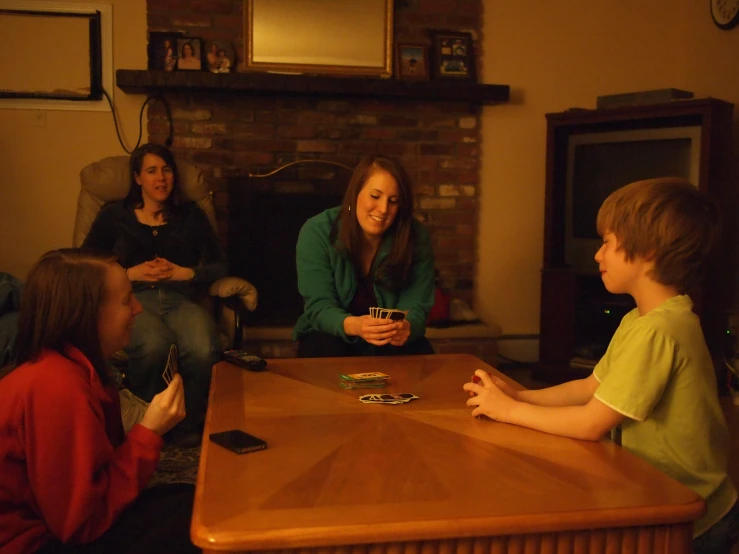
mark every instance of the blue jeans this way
{"type": "Point", "coordinates": [171, 318]}
{"type": "Point", "coordinates": [721, 537]}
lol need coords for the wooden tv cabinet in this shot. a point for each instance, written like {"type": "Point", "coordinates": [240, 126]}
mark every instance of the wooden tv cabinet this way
{"type": "Point", "coordinates": [567, 294]}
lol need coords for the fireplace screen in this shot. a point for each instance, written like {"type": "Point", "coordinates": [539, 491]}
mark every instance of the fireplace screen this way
{"type": "Point", "coordinates": [266, 213]}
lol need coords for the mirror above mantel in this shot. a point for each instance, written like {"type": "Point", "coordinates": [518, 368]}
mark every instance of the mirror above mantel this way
{"type": "Point", "coordinates": [328, 37]}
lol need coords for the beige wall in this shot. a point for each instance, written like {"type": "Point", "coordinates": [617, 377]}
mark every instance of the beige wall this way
{"type": "Point", "coordinates": [554, 56]}
{"type": "Point", "coordinates": [42, 152]}
{"type": "Point", "coordinates": [557, 55]}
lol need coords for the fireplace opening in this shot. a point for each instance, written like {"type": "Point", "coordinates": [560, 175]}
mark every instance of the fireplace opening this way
{"type": "Point", "coordinates": [266, 213]}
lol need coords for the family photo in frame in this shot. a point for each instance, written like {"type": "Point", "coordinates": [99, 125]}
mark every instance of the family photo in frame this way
{"type": "Point", "coordinates": [412, 61]}
{"type": "Point", "coordinates": [163, 50]}
{"type": "Point", "coordinates": [189, 54]}
{"type": "Point", "coordinates": [452, 55]}
{"type": "Point", "coordinates": [219, 56]}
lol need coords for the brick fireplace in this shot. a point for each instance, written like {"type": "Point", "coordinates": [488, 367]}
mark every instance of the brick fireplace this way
{"type": "Point", "coordinates": [229, 135]}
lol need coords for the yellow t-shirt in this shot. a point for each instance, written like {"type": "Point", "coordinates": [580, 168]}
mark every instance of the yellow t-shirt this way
{"type": "Point", "coordinates": [658, 373]}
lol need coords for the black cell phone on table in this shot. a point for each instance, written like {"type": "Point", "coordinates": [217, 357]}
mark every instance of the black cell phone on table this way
{"type": "Point", "coordinates": [238, 441]}
{"type": "Point", "coordinates": [245, 360]}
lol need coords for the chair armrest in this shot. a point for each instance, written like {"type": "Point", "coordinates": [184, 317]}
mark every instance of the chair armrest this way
{"type": "Point", "coordinates": [239, 295]}
{"type": "Point", "coordinates": [238, 287]}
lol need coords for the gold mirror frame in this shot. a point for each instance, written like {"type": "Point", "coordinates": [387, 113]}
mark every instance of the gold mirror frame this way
{"type": "Point", "coordinates": [302, 25]}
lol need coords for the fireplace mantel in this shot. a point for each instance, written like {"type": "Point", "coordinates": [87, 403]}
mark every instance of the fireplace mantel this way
{"type": "Point", "coordinates": [150, 82]}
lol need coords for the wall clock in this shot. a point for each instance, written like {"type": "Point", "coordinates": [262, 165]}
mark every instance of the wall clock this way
{"type": "Point", "coordinates": [725, 13]}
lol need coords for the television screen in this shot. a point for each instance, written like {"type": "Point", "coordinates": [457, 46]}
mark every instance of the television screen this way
{"type": "Point", "coordinates": [599, 163]}
{"type": "Point", "coordinates": [602, 168]}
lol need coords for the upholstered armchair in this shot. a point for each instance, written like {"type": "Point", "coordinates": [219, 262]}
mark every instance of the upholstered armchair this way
{"type": "Point", "coordinates": [108, 180]}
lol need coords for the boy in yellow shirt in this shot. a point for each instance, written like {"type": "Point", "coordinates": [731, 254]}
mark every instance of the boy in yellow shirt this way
{"type": "Point", "coordinates": [656, 379]}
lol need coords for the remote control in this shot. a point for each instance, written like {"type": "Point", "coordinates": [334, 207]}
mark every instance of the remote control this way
{"type": "Point", "coordinates": [245, 360]}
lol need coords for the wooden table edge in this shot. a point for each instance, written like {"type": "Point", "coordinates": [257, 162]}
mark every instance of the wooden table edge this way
{"type": "Point", "coordinates": [434, 530]}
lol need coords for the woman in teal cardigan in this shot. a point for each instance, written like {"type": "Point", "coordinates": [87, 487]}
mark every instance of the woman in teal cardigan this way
{"type": "Point", "coordinates": [368, 252]}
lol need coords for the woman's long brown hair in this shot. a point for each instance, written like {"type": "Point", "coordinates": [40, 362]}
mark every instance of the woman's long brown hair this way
{"type": "Point", "coordinates": [60, 306]}
{"type": "Point", "coordinates": [394, 272]}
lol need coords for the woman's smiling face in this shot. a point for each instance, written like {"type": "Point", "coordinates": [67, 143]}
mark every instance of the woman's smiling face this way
{"type": "Point", "coordinates": [377, 203]}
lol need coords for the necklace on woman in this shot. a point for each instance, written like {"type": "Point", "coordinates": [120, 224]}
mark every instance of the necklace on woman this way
{"type": "Point", "coordinates": [155, 228]}
{"type": "Point", "coordinates": [145, 218]}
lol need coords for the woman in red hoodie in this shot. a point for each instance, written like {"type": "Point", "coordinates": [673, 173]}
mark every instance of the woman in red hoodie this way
{"type": "Point", "coordinates": [70, 479]}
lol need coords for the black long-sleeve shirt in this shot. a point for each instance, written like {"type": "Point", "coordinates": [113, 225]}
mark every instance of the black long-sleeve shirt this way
{"type": "Point", "coordinates": [187, 239]}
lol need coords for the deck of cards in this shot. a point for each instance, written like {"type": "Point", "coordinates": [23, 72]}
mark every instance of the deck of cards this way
{"type": "Point", "coordinates": [385, 313]}
{"type": "Point", "coordinates": [370, 380]}
{"type": "Point", "coordinates": [171, 368]}
{"type": "Point", "coordinates": [390, 398]}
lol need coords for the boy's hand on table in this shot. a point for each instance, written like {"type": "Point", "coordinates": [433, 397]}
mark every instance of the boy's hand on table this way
{"type": "Point", "coordinates": [498, 382]}
{"type": "Point", "coordinates": [490, 396]}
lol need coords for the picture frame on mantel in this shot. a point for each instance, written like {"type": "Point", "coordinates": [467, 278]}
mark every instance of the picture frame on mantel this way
{"type": "Point", "coordinates": [412, 62]}
{"type": "Point", "coordinates": [189, 51]}
{"type": "Point", "coordinates": [219, 56]}
{"type": "Point", "coordinates": [162, 50]}
{"type": "Point", "coordinates": [452, 55]}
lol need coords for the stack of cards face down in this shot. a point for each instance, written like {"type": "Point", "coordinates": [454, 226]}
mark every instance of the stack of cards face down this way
{"type": "Point", "coordinates": [371, 380]}
{"type": "Point", "coordinates": [385, 313]}
{"type": "Point", "coordinates": [390, 398]}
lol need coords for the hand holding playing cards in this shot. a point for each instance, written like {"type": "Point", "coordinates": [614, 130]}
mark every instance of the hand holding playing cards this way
{"type": "Point", "coordinates": [401, 337]}
{"type": "Point", "coordinates": [167, 408]}
{"type": "Point", "coordinates": [488, 399]}
{"type": "Point", "coordinates": [374, 330]}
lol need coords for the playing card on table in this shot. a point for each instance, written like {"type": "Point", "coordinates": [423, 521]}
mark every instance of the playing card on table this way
{"type": "Point", "coordinates": [365, 385]}
{"type": "Point", "coordinates": [372, 379]}
{"type": "Point", "coordinates": [171, 368]}
{"type": "Point", "coordinates": [365, 376]}
{"type": "Point", "coordinates": [390, 398]}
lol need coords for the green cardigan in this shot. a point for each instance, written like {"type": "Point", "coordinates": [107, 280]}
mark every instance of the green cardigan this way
{"type": "Point", "coordinates": [327, 280]}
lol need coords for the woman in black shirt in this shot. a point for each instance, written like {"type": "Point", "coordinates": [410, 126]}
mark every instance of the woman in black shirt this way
{"type": "Point", "coordinates": [169, 251]}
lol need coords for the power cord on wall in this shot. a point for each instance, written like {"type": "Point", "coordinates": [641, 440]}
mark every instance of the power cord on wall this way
{"type": "Point", "coordinates": [170, 136]}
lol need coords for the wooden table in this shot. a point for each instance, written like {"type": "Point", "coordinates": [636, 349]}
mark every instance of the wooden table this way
{"type": "Point", "coordinates": [425, 477]}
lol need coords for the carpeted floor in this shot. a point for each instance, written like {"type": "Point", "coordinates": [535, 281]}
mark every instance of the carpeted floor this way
{"type": "Point", "coordinates": [176, 465]}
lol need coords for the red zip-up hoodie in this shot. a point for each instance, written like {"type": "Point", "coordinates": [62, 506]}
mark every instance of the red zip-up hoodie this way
{"type": "Point", "coordinates": [67, 470]}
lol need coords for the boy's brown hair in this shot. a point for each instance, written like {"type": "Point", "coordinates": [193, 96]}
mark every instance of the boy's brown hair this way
{"type": "Point", "coordinates": [666, 220]}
